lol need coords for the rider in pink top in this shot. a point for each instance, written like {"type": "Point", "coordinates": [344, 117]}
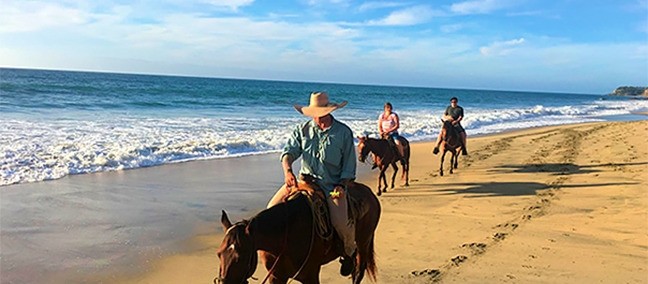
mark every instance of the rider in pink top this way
{"type": "Point", "coordinates": [388, 124]}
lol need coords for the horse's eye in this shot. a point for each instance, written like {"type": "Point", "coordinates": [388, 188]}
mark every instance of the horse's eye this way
{"type": "Point", "coordinates": [232, 247]}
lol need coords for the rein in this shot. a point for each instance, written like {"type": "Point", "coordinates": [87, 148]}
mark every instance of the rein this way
{"type": "Point", "coordinates": [285, 245]}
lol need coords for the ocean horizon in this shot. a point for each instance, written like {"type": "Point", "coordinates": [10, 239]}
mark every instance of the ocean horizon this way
{"type": "Point", "coordinates": [60, 123]}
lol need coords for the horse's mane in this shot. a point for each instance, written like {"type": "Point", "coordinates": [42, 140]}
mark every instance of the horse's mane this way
{"type": "Point", "coordinates": [273, 221]}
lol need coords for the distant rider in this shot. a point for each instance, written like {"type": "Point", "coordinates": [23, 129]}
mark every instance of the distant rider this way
{"type": "Point", "coordinates": [455, 114]}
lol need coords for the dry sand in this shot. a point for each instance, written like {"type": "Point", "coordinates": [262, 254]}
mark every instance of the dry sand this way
{"type": "Point", "coordinates": [565, 204]}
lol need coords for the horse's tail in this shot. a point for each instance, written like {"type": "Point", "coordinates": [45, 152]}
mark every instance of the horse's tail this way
{"type": "Point", "coordinates": [371, 260]}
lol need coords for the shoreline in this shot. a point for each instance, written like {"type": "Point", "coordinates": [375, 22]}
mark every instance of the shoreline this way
{"type": "Point", "coordinates": [443, 198]}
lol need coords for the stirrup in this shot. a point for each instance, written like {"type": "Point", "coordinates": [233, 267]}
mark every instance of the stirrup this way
{"type": "Point", "coordinates": [435, 151]}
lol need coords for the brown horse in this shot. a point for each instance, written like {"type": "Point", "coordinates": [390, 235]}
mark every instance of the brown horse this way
{"type": "Point", "coordinates": [288, 244]}
{"type": "Point", "coordinates": [450, 142]}
{"type": "Point", "coordinates": [384, 156]}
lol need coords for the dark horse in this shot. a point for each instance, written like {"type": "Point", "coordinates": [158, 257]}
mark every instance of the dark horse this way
{"type": "Point", "coordinates": [288, 244]}
{"type": "Point", "coordinates": [384, 156]}
{"type": "Point", "coordinates": [450, 142]}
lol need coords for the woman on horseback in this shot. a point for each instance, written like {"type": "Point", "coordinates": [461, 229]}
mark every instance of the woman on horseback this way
{"type": "Point", "coordinates": [388, 124]}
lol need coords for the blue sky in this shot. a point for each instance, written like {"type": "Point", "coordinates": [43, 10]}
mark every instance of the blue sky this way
{"type": "Point", "coordinates": [535, 45]}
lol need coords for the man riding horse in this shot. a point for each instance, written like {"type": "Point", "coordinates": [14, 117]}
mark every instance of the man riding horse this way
{"type": "Point", "coordinates": [454, 113]}
{"type": "Point", "coordinates": [326, 147]}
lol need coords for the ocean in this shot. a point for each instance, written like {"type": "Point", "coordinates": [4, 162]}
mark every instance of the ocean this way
{"type": "Point", "coordinates": [60, 123]}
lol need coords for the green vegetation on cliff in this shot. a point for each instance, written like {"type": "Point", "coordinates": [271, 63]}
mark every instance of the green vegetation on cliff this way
{"type": "Point", "coordinates": [630, 91]}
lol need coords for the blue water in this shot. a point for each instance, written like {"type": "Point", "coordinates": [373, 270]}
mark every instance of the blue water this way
{"type": "Point", "coordinates": [56, 123]}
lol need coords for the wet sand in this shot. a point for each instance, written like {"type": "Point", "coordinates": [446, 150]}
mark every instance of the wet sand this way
{"type": "Point", "coordinates": [565, 204]}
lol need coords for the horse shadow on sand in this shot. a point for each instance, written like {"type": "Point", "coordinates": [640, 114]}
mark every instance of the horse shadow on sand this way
{"type": "Point", "coordinates": [560, 168]}
{"type": "Point", "coordinates": [492, 189]}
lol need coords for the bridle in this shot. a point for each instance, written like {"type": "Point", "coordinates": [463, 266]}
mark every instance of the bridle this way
{"type": "Point", "coordinates": [364, 153]}
{"type": "Point", "coordinates": [251, 262]}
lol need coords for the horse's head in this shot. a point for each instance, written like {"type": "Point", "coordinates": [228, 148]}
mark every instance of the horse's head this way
{"type": "Point", "coordinates": [363, 150]}
{"type": "Point", "coordinates": [238, 257]}
{"type": "Point", "coordinates": [446, 126]}
{"type": "Point", "coordinates": [448, 131]}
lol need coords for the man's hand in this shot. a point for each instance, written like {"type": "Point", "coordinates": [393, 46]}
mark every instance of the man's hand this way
{"type": "Point", "coordinates": [290, 179]}
{"type": "Point", "coordinates": [338, 192]}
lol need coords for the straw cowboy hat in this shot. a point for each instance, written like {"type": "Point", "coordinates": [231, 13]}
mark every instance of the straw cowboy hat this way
{"type": "Point", "coordinates": [319, 105]}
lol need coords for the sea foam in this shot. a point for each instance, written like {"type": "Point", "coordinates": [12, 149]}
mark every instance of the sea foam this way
{"type": "Point", "coordinates": [38, 149]}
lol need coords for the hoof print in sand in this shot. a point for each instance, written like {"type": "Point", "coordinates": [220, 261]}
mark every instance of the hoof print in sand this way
{"type": "Point", "coordinates": [457, 260]}
{"type": "Point", "coordinates": [513, 226]}
{"type": "Point", "coordinates": [427, 272]}
{"type": "Point", "coordinates": [500, 236]}
{"type": "Point", "coordinates": [476, 248]}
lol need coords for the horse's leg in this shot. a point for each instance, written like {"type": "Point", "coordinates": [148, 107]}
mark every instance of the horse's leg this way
{"type": "Point", "coordinates": [441, 165]}
{"type": "Point", "coordinates": [395, 167]}
{"type": "Point", "coordinates": [406, 172]}
{"type": "Point", "coordinates": [456, 159]}
{"type": "Point", "coordinates": [380, 176]}
{"type": "Point", "coordinates": [384, 177]}
{"type": "Point", "coordinates": [452, 158]}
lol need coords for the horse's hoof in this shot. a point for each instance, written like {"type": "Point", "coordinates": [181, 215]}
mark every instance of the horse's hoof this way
{"type": "Point", "coordinates": [407, 184]}
{"type": "Point", "coordinates": [441, 173]}
{"type": "Point", "coordinates": [379, 192]}
{"type": "Point", "coordinates": [384, 189]}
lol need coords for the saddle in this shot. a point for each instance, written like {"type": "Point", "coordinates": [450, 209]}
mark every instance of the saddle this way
{"type": "Point", "coordinates": [393, 145]}
{"type": "Point", "coordinates": [317, 200]}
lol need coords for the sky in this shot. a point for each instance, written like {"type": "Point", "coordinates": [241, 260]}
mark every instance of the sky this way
{"type": "Point", "coordinates": [574, 46]}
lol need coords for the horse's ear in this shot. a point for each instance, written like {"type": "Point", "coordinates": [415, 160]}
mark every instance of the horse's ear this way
{"type": "Point", "coordinates": [225, 221]}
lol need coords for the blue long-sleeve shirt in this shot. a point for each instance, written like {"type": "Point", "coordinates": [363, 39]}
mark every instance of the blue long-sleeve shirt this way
{"type": "Point", "coordinates": [328, 155]}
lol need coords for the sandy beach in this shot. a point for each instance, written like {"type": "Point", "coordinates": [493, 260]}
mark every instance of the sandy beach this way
{"type": "Point", "coordinates": [564, 204]}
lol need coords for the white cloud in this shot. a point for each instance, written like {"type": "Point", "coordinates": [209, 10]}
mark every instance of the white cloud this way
{"type": "Point", "coordinates": [407, 17]}
{"type": "Point", "coordinates": [379, 5]}
{"type": "Point", "coordinates": [26, 16]}
{"type": "Point", "coordinates": [231, 4]}
{"type": "Point", "coordinates": [451, 28]}
{"type": "Point", "coordinates": [343, 3]}
{"type": "Point", "coordinates": [477, 6]}
{"type": "Point", "coordinates": [501, 47]}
